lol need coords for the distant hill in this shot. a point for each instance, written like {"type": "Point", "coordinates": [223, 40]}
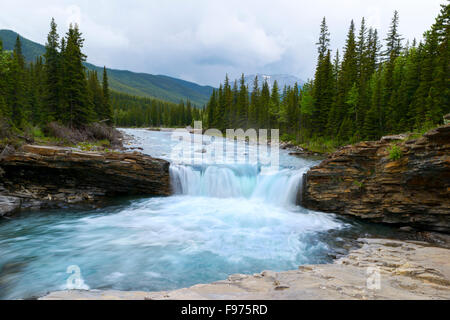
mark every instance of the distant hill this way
{"type": "Point", "coordinates": [282, 80]}
{"type": "Point", "coordinates": [30, 49]}
{"type": "Point", "coordinates": [138, 84]}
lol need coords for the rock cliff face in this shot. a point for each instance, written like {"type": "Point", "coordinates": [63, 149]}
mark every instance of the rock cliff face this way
{"type": "Point", "coordinates": [41, 176]}
{"type": "Point", "coordinates": [363, 180]}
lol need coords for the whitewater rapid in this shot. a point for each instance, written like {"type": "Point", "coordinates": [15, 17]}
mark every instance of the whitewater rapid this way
{"type": "Point", "coordinates": [225, 217]}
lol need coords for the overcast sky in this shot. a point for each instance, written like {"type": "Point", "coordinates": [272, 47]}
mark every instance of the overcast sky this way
{"type": "Point", "coordinates": [202, 40]}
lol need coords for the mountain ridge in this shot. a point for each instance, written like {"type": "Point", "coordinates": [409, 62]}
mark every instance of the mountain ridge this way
{"type": "Point", "coordinates": [282, 80]}
{"type": "Point", "coordinates": [134, 83]}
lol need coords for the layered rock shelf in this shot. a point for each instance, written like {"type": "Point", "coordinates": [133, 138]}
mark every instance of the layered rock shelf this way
{"type": "Point", "coordinates": [367, 181]}
{"type": "Point", "coordinates": [44, 176]}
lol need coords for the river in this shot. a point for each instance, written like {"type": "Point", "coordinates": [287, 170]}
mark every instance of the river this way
{"type": "Point", "coordinates": [225, 217]}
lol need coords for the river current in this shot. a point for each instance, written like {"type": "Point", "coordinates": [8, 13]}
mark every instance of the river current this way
{"type": "Point", "coordinates": [226, 217]}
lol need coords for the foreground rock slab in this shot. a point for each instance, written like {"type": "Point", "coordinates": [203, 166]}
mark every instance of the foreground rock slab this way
{"type": "Point", "coordinates": [380, 269]}
{"type": "Point", "coordinates": [363, 180]}
{"type": "Point", "coordinates": [39, 176]}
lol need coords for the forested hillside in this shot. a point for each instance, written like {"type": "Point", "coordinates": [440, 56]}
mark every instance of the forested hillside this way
{"type": "Point", "coordinates": [58, 89]}
{"type": "Point", "coordinates": [362, 92]}
{"type": "Point", "coordinates": [58, 97]}
{"type": "Point", "coordinates": [367, 91]}
{"type": "Point", "coordinates": [147, 112]}
{"type": "Point", "coordinates": [136, 84]}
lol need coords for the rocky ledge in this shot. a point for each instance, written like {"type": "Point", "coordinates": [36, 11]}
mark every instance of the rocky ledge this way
{"type": "Point", "coordinates": [380, 269]}
{"type": "Point", "coordinates": [366, 180]}
{"type": "Point", "coordinates": [43, 176]}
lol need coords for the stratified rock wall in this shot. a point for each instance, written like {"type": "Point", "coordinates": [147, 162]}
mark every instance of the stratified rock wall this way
{"type": "Point", "coordinates": [361, 180]}
{"type": "Point", "coordinates": [40, 174]}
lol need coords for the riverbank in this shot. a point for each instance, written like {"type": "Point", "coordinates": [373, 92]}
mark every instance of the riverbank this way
{"type": "Point", "coordinates": [380, 269]}
{"type": "Point", "coordinates": [399, 180]}
{"type": "Point", "coordinates": [177, 219]}
{"type": "Point", "coordinates": [42, 177]}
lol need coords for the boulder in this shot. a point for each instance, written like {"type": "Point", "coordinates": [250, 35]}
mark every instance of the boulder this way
{"type": "Point", "coordinates": [8, 205]}
{"type": "Point", "coordinates": [361, 180]}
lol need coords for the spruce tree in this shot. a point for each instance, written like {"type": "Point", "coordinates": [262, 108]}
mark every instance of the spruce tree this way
{"type": "Point", "coordinates": [18, 85]}
{"type": "Point", "coordinates": [253, 112]}
{"type": "Point", "coordinates": [393, 40]}
{"type": "Point", "coordinates": [242, 105]}
{"type": "Point", "coordinates": [347, 77]}
{"type": "Point", "coordinates": [264, 106]}
{"type": "Point", "coordinates": [79, 109]}
{"type": "Point", "coordinates": [53, 75]}
{"type": "Point", "coordinates": [274, 106]}
{"type": "Point", "coordinates": [107, 113]}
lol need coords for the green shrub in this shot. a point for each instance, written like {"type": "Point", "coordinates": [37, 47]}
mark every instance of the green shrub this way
{"type": "Point", "coordinates": [359, 184]}
{"type": "Point", "coordinates": [395, 153]}
{"type": "Point", "coordinates": [287, 137]}
{"type": "Point", "coordinates": [37, 132]}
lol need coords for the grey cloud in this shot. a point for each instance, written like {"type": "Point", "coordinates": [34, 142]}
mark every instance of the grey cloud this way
{"type": "Point", "coordinates": [202, 40]}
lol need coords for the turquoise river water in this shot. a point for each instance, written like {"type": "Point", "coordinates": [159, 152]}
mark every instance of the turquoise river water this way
{"type": "Point", "coordinates": [225, 217]}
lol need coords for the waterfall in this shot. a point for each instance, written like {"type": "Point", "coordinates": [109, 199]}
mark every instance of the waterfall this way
{"type": "Point", "coordinates": [237, 181]}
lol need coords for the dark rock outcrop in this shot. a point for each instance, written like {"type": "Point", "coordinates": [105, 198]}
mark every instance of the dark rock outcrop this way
{"type": "Point", "coordinates": [9, 205]}
{"type": "Point", "coordinates": [362, 180]}
{"type": "Point", "coordinates": [41, 176]}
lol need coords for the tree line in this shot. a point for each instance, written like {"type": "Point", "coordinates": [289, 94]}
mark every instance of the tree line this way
{"type": "Point", "coordinates": [131, 111]}
{"type": "Point", "coordinates": [55, 87]}
{"type": "Point", "coordinates": [366, 93]}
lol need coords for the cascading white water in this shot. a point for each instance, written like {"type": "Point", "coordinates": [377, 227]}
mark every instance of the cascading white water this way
{"type": "Point", "coordinates": [239, 180]}
{"type": "Point", "coordinates": [226, 218]}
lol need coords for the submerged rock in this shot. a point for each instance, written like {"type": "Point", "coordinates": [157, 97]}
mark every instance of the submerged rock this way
{"type": "Point", "coordinates": [42, 176]}
{"type": "Point", "coordinates": [362, 180]}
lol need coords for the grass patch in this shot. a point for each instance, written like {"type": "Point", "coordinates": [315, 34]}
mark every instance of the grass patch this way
{"type": "Point", "coordinates": [94, 146]}
{"type": "Point", "coordinates": [320, 145]}
{"type": "Point", "coordinates": [395, 153]}
{"type": "Point", "coordinates": [359, 184]}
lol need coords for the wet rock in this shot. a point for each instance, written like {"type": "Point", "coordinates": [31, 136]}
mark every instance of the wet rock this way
{"type": "Point", "coordinates": [361, 180]}
{"type": "Point", "coordinates": [9, 205]}
{"type": "Point", "coordinates": [41, 175]}
{"type": "Point", "coordinates": [406, 229]}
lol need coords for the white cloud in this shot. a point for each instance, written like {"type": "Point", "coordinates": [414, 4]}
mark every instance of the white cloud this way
{"type": "Point", "coordinates": [202, 40]}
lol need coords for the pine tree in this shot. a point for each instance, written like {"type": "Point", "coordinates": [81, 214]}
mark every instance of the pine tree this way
{"type": "Point", "coordinates": [95, 95]}
{"type": "Point", "coordinates": [253, 112]}
{"type": "Point", "coordinates": [107, 113]}
{"type": "Point", "coordinates": [347, 77]}
{"type": "Point", "coordinates": [393, 40]}
{"type": "Point", "coordinates": [323, 93]}
{"type": "Point", "coordinates": [18, 87]}
{"type": "Point", "coordinates": [189, 115]}
{"type": "Point", "coordinates": [5, 82]}
{"type": "Point", "coordinates": [323, 90]}
{"type": "Point", "coordinates": [228, 98]}
{"type": "Point", "coordinates": [324, 39]}
{"type": "Point", "coordinates": [242, 105]}
{"type": "Point", "coordinates": [264, 105]}
{"type": "Point", "coordinates": [219, 112]}
{"type": "Point", "coordinates": [274, 106]}
{"type": "Point", "coordinates": [53, 75]}
{"type": "Point", "coordinates": [210, 110]}
{"type": "Point", "coordinates": [79, 110]}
